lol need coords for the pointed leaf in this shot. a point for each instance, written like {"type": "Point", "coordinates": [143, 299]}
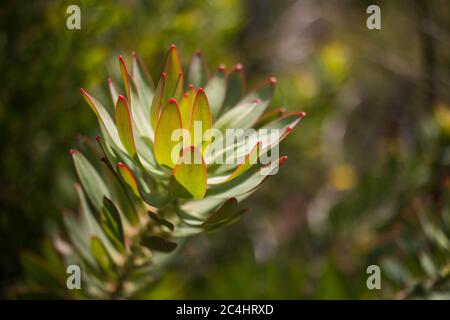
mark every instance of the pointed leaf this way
{"type": "Point", "coordinates": [113, 91]}
{"type": "Point", "coordinates": [161, 221]}
{"type": "Point", "coordinates": [178, 92]}
{"type": "Point", "coordinates": [235, 87]}
{"type": "Point", "coordinates": [125, 127]}
{"type": "Point", "coordinates": [155, 199]}
{"type": "Point", "coordinates": [104, 118]}
{"type": "Point", "coordinates": [112, 224]}
{"type": "Point", "coordinates": [101, 256]}
{"type": "Point", "coordinates": [155, 108]}
{"type": "Point", "coordinates": [125, 77]}
{"type": "Point", "coordinates": [198, 70]}
{"type": "Point", "coordinates": [185, 106]}
{"type": "Point", "coordinates": [158, 244]}
{"type": "Point", "coordinates": [269, 117]}
{"type": "Point", "coordinates": [172, 68]}
{"type": "Point", "coordinates": [249, 109]}
{"type": "Point", "coordinates": [188, 179]}
{"type": "Point", "coordinates": [249, 160]}
{"type": "Point", "coordinates": [215, 90]}
{"type": "Point", "coordinates": [90, 180]}
{"type": "Point", "coordinates": [227, 213]}
{"type": "Point", "coordinates": [201, 116]}
{"type": "Point", "coordinates": [142, 78]}
{"type": "Point", "coordinates": [169, 121]}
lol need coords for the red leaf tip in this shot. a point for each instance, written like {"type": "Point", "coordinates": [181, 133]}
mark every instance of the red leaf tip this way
{"type": "Point", "coordinates": [122, 99]}
{"type": "Point", "coordinates": [302, 114]}
{"type": "Point", "coordinates": [163, 75]}
{"type": "Point", "coordinates": [121, 59]}
{"type": "Point", "coordinates": [273, 80]}
{"type": "Point", "coordinates": [172, 101]}
{"type": "Point", "coordinates": [72, 151]}
{"type": "Point", "coordinates": [191, 86]}
{"type": "Point", "coordinates": [98, 138]}
{"type": "Point", "coordinates": [200, 90]}
{"type": "Point", "coordinates": [222, 67]}
{"type": "Point", "coordinates": [172, 46]}
{"type": "Point", "coordinates": [121, 164]}
{"type": "Point", "coordinates": [283, 159]}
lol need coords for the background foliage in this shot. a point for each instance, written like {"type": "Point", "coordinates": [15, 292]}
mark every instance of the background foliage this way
{"type": "Point", "coordinates": [367, 181]}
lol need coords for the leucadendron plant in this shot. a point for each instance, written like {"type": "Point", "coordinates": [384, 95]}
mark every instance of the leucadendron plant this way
{"type": "Point", "coordinates": [174, 160]}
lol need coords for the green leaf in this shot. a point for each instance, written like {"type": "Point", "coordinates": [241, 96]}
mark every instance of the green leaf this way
{"type": "Point", "coordinates": [155, 199]}
{"type": "Point", "coordinates": [235, 87]}
{"type": "Point", "coordinates": [227, 213]}
{"type": "Point", "coordinates": [188, 179]}
{"type": "Point", "coordinates": [249, 109]}
{"type": "Point", "coordinates": [288, 120]}
{"type": "Point", "coordinates": [101, 255]}
{"type": "Point", "coordinates": [158, 244]}
{"type": "Point", "coordinates": [125, 127]}
{"type": "Point", "coordinates": [179, 87]}
{"type": "Point", "coordinates": [125, 77]}
{"type": "Point", "coordinates": [245, 183]}
{"type": "Point", "coordinates": [161, 221]}
{"type": "Point", "coordinates": [169, 121]}
{"type": "Point", "coordinates": [269, 117]}
{"type": "Point", "coordinates": [215, 90]}
{"type": "Point", "coordinates": [112, 224]}
{"type": "Point", "coordinates": [172, 68]}
{"type": "Point", "coordinates": [155, 108]}
{"type": "Point", "coordinates": [104, 118]}
{"type": "Point", "coordinates": [88, 222]}
{"type": "Point", "coordinates": [143, 81]}
{"type": "Point", "coordinates": [113, 91]}
{"type": "Point", "coordinates": [90, 180]}
{"type": "Point", "coordinates": [40, 275]}
{"type": "Point", "coordinates": [249, 160]}
{"type": "Point", "coordinates": [201, 113]}
{"type": "Point", "coordinates": [198, 70]}
{"type": "Point", "coordinates": [185, 106]}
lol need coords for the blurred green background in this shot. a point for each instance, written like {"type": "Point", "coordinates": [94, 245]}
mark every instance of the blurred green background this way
{"type": "Point", "coordinates": [368, 176]}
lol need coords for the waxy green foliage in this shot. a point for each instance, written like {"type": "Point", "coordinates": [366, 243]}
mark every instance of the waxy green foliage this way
{"type": "Point", "coordinates": [137, 202]}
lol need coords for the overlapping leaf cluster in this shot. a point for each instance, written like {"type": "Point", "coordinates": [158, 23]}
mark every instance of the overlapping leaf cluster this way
{"type": "Point", "coordinates": [137, 204]}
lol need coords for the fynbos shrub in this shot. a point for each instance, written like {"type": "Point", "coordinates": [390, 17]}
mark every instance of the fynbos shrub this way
{"type": "Point", "coordinates": [173, 161]}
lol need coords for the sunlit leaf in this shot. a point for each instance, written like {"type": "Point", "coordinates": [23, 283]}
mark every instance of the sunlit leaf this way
{"type": "Point", "coordinates": [155, 199]}
{"type": "Point", "coordinates": [185, 106]}
{"type": "Point", "coordinates": [155, 108]}
{"type": "Point", "coordinates": [124, 126]}
{"type": "Point", "coordinates": [189, 176]}
{"type": "Point", "coordinates": [104, 118]}
{"type": "Point", "coordinates": [201, 117]}
{"type": "Point", "coordinates": [125, 77]}
{"type": "Point", "coordinates": [172, 68]}
{"type": "Point", "coordinates": [169, 121]}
